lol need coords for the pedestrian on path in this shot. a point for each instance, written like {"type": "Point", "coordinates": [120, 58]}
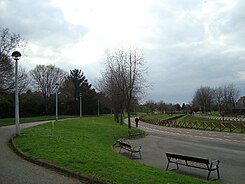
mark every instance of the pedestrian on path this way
{"type": "Point", "coordinates": [136, 121]}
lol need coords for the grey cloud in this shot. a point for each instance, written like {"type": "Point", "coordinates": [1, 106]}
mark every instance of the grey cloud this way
{"type": "Point", "coordinates": [178, 72]}
{"type": "Point", "coordinates": [173, 27]}
{"type": "Point", "coordinates": [185, 59]}
{"type": "Point", "coordinates": [231, 25]}
{"type": "Point", "coordinates": [182, 58]}
{"type": "Point", "coordinates": [39, 22]}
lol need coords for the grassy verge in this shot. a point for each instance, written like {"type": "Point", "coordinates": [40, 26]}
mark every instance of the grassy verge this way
{"type": "Point", "coordinates": [156, 119]}
{"type": "Point", "coordinates": [162, 116]}
{"type": "Point", "coordinates": [11, 121]}
{"type": "Point", "coordinates": [85, 146]}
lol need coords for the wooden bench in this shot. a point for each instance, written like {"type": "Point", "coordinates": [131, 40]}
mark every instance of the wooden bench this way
{"type": "Point", "coordinates": [126, 146]}
{"type": "Point", "coordinates": [191, 161]}
{"type": "Point", "coordinates": [117, 140]}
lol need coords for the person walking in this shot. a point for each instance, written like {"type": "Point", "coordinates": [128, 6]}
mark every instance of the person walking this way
{"type": "Point", "coordinates": [136, 121]}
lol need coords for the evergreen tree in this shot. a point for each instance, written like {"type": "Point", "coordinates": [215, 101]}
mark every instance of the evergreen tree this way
{"type": "Point", "coordinates": [74, 85]}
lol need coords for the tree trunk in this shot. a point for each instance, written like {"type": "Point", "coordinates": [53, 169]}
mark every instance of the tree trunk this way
{"type": "Point", "coordinates": [121, 118]}
{"type": "Point", "coordinates": [129, 122]}
{"type": "Point", "coordinates": [46, 105]}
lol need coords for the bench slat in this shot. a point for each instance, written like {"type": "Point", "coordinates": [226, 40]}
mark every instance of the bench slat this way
{"type": "Point", "coordinates": [191, 161]}
{"type": "Point", "coordinates": [189, 158]}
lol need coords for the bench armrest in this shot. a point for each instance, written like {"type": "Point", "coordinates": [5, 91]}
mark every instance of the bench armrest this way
{"type": "Point", "coordinates": [215, 164]}
{"type": "Point", "coordinates": [121, 140]}
{"type": "Point", "coordinates": [118, 139]}
{"type": "Point", "coordinates": [136, 148]}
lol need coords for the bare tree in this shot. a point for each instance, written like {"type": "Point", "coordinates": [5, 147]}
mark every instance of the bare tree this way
{"type": "Point", "coordinates": [161, 106]}
{"type": "Point", "coordinates": [112, 95]}
{"type": "Point", "coordinates": [203, 98]}
{"type": "Point", "coordinates": [45, 78]}
{"type": "Point", "coordinates": [8, 42]}
{"type": "Point", "coordinates": [230, 96]}
{"type": "Point", "coordinates": [151, 106]}
{"type": "Point", "coordinates": [223, 97]}
{"type": "Point", "coordinates": [219, 98]}
{"type": "Point", "coordinates": [123, 79]}
{"type": "Point", "coordinates": [6, 74]}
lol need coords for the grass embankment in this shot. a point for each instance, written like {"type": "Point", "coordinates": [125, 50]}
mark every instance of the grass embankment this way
{"type": "Point", "coordinates": [85, 146]}
{"type": "Point", "coordinates": [192, 118]}
{"type": "Point", "coordinates": [155, 119]}
{"type": "Point", "coordinates": [11, 121]}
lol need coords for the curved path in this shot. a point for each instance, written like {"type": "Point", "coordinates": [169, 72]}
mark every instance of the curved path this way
{"type": "Point", "coordinates": [229, 148]}
{"type": "Point", "coordinates": [14, 170]}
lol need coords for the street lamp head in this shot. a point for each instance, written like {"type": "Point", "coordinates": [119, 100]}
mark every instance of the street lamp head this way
{"type": "Point", "coordinates": [16, 55]}
{"type": "Point", "coordinates": [57, 84]}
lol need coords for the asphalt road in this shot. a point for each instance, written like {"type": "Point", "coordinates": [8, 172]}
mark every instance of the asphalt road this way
{"type": "Point", "coordinates": [229, 148]}
{"type": "Point", "coordinates": [14, 170]}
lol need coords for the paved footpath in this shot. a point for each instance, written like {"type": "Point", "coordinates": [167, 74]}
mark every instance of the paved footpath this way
{"type": "Point", "coordinates": [229, 148]}
{"type": "Point", "coordinates": [14, 170]}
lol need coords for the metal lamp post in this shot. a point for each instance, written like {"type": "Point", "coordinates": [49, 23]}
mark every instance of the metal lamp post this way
{"type": "Point", "coordinates": [98, 102]}
{"type": "Point", "coordinates": [80, 97]}
{"type": "Point", "coordinates": [16, 56]}
{"type": "Point", "coordinates": [98, 106]}
{"type": "Point", "coordinates": [56, 100]}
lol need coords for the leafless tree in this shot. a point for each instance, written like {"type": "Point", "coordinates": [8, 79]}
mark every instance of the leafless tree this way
{"type": "Point", "coordinates": [112, 95]}
{"type": "Point", "coordinates": [203, 98]}
{"type": "Point", "coordinates": [151, 106]}
{"type": "Point", "coordinates": [230, 96]}
{"type": "Point", "coordinates": [6, 74]}
{"type": "Point", "coordinates": [161, 106]}
{"type": "Point", "coordinates": [219, 98]}
{"type": "Point", "coordinates": [45, 78]}
{"type": "Point", "coordinates": [8, 42]}
{"type": "Point", "coordinates": [222, 98]}
{"type": "Point", "coordinates": [123, 79]}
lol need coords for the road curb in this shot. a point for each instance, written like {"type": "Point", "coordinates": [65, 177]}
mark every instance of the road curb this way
{"type": "Point", "coordinates": [55, 168]}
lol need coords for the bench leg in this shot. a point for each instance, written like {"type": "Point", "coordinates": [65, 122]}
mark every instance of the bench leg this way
{"type": "Point", "coordinates": [131, 154]}
{"type": "Point", "coordinates": [218, 173]}
{"type": "Point", "coordinates": [140, 154]}
{"type": "Point", "coordinates": [177, 166]}
{"type": "Point", "coordinates": [208, 174]}
{"type": "Point", "coordinates": [120, 150]}
{"type": "Point", "coordinates": [167, 166]}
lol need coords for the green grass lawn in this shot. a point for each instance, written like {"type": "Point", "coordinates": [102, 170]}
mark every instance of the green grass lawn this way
{"type": "Point", "coordinates": [85, 146]}
{"type": "Point", "coordinates": [11, 121]}
{"type": "Point", "coordinates": [197, 119]}
{"type": "Point", "coordinates": [155, 119]}
{"type": "Point", "coordinates": [162, 116]}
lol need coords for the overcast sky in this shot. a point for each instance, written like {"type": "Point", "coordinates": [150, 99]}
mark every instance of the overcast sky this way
{"type": "Point", "coordinates": [186, 43]}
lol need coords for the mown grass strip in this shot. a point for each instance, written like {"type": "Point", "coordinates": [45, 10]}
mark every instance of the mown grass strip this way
{"type": "Point", "coordinates": [85, 146]}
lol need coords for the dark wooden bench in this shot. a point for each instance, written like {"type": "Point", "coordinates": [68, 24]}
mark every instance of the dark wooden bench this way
{"type": "Point", "coordinates": [126, 146]}
{"type": "Point", "coordinates": [117, 140]}
{"type": "Point", "coordinates": [191, 161]}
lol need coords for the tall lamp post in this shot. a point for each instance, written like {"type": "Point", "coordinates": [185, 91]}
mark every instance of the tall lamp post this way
{"type": "Point", "coordinates": [56, 100]}
{"type": "Point", "coordinates": [98, 106]}
{"type": "Point", "coordinates": [16, 56]}
{"type": "Point", "coordinates": [80, 97]}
